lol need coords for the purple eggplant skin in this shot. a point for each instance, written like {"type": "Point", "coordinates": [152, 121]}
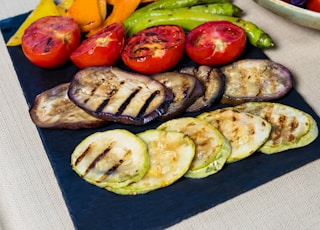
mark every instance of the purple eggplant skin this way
{"type": "Point", "coordinates": [213, 82]}
{"type": "Point", "coordinates": [186, 89]}
{"type": "Point", "coordinates": [298, 2]}
{"type": "Point", "coordinates": [52, 109]}
{"type": "Point", "coordinates": [113, 94]}
{"type": "Point", "coordinates": [255, 80]}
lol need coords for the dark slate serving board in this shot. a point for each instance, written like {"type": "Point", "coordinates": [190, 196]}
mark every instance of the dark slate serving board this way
{"type": "Point", "coordinates": [94, 208]}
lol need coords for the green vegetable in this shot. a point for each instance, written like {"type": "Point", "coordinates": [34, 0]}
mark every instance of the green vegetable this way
{"type": "Point", "coordinates": [189, 19]}
{"type": "Point", "coordinates": [227, 9]}
{"type": "Point", "coordinates": [168, 5]}
{"type": "Point", "coordinates": [174, 4]}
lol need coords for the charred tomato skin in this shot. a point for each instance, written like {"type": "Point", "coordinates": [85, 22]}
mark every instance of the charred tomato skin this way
{"type": "Point", "coordinates": [101, 49]}
{"type": "Point", "coordinates": [313, 5]}
{"type": "Point", "coordinates": [155, 49]}
{"type": "Point", "coordinates": [49, 41]}
{"type": "Point", "coordinates": [215, 43]}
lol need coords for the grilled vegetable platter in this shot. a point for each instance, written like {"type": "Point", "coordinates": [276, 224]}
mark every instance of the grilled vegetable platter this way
{"type": "Point", "coordinates": [121, 140]}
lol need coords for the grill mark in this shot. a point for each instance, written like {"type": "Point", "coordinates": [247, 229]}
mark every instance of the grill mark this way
{"type": "Point", "coordinates": [127, 101]}
{"type": "Point", "coordinates": [102, 106]}
{"type": "Point", "coordinates": [48, 45]}
{"type": "Point", "coordinates": [82, 156]}
{"type": "Point", "coordinates": [98, 158]}
{"type": "Point", "coordinates": [116, 166]}
{"type": "Point", "coordinates": [94, 89]}
{"type": "Point", "coordinates": [147, 103]}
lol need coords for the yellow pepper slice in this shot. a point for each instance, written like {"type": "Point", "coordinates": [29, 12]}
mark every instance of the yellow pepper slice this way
{"type": "Point", "coordinates": [64, 6]}
{"type": "Point", "coordinates": [43, 9]}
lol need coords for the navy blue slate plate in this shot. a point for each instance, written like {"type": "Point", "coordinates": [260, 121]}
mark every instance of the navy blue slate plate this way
{"type": "Point", "coordinates": [94, 208]}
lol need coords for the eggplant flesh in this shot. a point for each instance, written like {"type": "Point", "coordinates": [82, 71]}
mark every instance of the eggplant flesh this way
{"type": "Point", "coordinates": [112, 94]}
{"type": "Point", "coordinates": [213, 82]}
{"type": "Point", "coordinates": [186, 90]}
{"type": "Point", "coordinates": [255, 80]}
{"type": "Point", "coordinates": [53, 109]}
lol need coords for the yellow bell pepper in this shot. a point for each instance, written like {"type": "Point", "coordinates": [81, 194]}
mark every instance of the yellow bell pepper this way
{"type": "Point", "coordinates": [64, 6]}
{"type": "Point", "coordinates": [43, 9]}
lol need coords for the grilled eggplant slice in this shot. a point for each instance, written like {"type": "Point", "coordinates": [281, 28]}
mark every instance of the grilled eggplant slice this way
{"type": "Point", "coordinates": [170, 153]}
{"type": "Point", "coordinates": [185, 88]}
{"type": "Point", "coordinates": [213, 81]}
{"type": "Point", "coordinates": [291, 128]}
{"type": "Point", "coordinates": [111, 158]}
{"type": "Point", "coordinates": [212, 148]}
{"type": "Point", "coordinates": [255, 80]}
{"type": "Point", "coordinates": [245, 132]}
{"type": "Point", "coordinates": [116, 95]}
{"type": "Point", "coordinates": [53, 109]}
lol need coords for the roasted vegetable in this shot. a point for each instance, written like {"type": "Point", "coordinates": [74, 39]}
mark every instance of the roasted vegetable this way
{"type": "Point", "coordinates": [87, 13]}
{"type": "Point", "coordinates": [44, 8]}
{"type": "Point", "coordinates": [291, 128]}
{"type": "Point", "coordinates": [188, 20]}
{"type": "Point", "coordinates": [170, 154]}
{"type": "Point", "coordinates": [116, 95]}
{"type": "Point", "coordinates": [245, 132]}
{"type": "Point", "coordinates": [212, 148]}
{"type": "Point", "coordinates": [185, 88]}
{"type": "Point", "coordinates": [255, 80]}
{"type": "Point", "coordinates": [111, 158]}
{"type": "Point", "coordinates": [53, 109]}
{"type": "Point", "coordinates": [227, 9]}
{"type": "Point", "coordinates": [213, 82]}
{"type": "Point", "coordinates": [121, 10]}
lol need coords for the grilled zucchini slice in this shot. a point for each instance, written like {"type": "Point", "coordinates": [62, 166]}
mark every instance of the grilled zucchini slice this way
{"type": "Point", "coordinates": [291, 127]}
{"type": "Point", "coordinates": [245, 132]}
{"type": "Point", "coordinates": [111, 158]}
{"type": "Point", "coordinates": [116, 95]}
{"type": "Point", "coordinates": [212, 148]}
{"type": "Point", "coordinates": [171, 154]}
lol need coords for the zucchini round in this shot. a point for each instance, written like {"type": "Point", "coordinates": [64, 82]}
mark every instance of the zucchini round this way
{"type": "Point", "coordinates": [291, 127]}
{"type": "Point", "coordinates": [111, 158]}
{"type": "Point", "coordinates": [246, 132]}
{"type": "Point", "coordinates": [170, 153]}
{"type": "Point", "coordinates": [212, 148]}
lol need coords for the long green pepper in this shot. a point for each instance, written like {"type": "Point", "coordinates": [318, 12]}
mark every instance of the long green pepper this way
{"type": "Point", "coordinates": [188, 20]}
{"type": "Point", "coordinates": [227, 9]}
{"type": "Point", "coordinates": [167, 5]}
{"type": "Point", "coordinates": [175, 4]}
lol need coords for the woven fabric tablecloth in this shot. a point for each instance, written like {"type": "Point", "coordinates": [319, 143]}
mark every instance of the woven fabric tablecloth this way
{"type": "Point", "coordinates": [30, 197]}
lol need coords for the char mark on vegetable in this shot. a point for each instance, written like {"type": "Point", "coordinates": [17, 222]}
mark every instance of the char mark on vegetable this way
{"type": "Point", "coordinates": [127, 102]}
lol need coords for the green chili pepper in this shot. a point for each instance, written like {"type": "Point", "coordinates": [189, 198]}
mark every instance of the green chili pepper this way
{"type": "Point", "coordinates": [188, 20]}
{"type": "Point", "coordinates": [227, 9]}
{"type": "Point", "coordinates": [174, 4]}
{"type": "Point", "coordinates": [168, 5]}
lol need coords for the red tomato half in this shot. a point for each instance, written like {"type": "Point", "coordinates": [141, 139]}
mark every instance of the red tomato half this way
{"type": "Point", "coordinates": [154, 50]}
{"type": "Point", "coordinates": [313, 5]}
{"type": "Point", "coordinates": [215, 43]}
{"type": "Point", "coordinates": [102, 48]}
{"type": "Point", "coordinates": [49, 41]}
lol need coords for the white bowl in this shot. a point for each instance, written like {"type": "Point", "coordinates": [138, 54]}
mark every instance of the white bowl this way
{"type": "Point", "coordinates": [293, 13]}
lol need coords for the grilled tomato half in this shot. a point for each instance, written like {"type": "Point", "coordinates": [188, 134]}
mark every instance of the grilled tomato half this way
{"type": "Point", "coordinates": [215, 43]}
{"type": "Point", "coordinates": [154, 50]}
{"type": "Point", "coordinates": [49, 41]}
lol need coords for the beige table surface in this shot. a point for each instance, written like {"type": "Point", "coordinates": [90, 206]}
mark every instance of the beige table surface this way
{"type": "Point", "coordinates": [30, 197]}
